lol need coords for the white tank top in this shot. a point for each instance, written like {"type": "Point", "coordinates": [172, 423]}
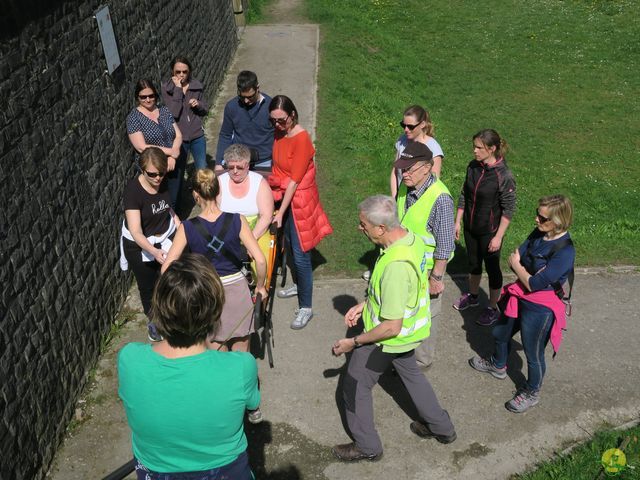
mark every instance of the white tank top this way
{"type": "Point", "coordinates": [247, 205]}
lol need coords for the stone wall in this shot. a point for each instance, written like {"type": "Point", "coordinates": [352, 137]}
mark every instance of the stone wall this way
{"type": "Point", "coordinates": [64, 160]}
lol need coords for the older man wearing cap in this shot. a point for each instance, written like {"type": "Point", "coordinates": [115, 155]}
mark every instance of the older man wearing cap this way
{"type": "Point", "coordinates": [425, 207]}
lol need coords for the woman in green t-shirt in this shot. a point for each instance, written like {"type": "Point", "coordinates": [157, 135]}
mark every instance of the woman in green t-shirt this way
{"type": "Point", "coordinates": [180, 423]}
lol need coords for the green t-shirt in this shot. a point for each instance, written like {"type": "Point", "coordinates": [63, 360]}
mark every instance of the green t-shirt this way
{"type": "Point", "coordinates": [186, 414]}
{"type": "Point", "coordinates": [398, 290]}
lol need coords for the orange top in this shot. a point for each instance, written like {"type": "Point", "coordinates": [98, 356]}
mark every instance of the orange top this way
{"type": "Point", "coordinates": [292, 156]}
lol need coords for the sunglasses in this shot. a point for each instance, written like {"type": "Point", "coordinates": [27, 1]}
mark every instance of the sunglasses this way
{"type": "Point", "coordinates": [155, 174]}
{"type": "Point", "coordinates": [279, 121]}
{"type": "Point", "coordinates": [235, 167]}
{"type": "Point", "coordinates": [410, 127]}
{"type": "Point", "coordinates": [540, 218]}
{"type": "Point", "coordinates": [248, 98]}
{"type": "Point", "coordinates": [144, 97]}
{"type": "Point", "coordinates": [181, 71]}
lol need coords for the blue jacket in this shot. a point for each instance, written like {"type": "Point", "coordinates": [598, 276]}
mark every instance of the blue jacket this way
{"type": "Point", "coordinates": [249, 126]}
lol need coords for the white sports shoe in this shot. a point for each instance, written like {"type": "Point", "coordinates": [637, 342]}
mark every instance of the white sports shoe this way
{"type": "Point", "coordinates": [303, 315]}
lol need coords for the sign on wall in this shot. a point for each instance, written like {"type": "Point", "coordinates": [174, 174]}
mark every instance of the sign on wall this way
{"type": "Point", "coordinates": [108, 39]}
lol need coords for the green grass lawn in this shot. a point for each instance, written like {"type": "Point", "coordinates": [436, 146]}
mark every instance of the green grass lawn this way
{"type": "Point", "coordinates": [584, 463]}
{"type": "Point", "coordinates": [558, 79]}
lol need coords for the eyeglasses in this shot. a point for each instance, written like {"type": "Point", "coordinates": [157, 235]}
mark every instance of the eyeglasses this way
{"type": "Point", "coordinates": [247, 98]}
{"type": "Point", "coordinates": [154, 174]}
{"type": "Point", "coordinates": [540, 218]}
{"type": "Point", "coordinates": [236, 167]}
{"type": "Point", "coordinates": [413, 167]}
{"type": "Point", "coordinates": [410, 127]}
{"type": "Point", "coordinates": [144, 97]}
{"type": "Point", "coordinates": [180, 71]}
{"type": "Point", "coordinates": [279, 121]}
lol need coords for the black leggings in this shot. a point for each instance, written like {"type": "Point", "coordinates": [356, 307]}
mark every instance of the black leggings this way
{"type": "Point", "coordinates": [477, 251]}
{"type": "Point", "coordinates": [146, 273]}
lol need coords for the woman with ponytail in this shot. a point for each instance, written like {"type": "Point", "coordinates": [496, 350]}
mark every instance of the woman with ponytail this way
{"type": "Point", "coordinates": [417, 126]}
{"type": "Point", "coordinates": [487, 203]}
{"type": "Point", "coordinates": [218, 236]}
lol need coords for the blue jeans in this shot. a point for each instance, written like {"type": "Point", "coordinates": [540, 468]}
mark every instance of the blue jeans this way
{"type": "Point", "coordinates": [266, 163]}
{"type": "Point", "coordinates": [534, 323]}
{"type": "Point", "coordinates": [237, 470]}
{"type": "Point", "coordinates": [198, 149]}
{"type": "Point", "coordinates": [302, 272]}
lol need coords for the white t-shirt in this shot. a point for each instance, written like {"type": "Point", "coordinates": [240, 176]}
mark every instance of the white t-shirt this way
{"type": "Point", "coordinates": [247, 205]}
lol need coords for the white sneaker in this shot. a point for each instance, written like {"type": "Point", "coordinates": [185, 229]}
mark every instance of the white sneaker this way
{"type": "Point", "coordinates": [303, 315]}
{"type": "Point", "coordinates": [366, 275]}
{"type": "Point", "coordinates": [292, 291]}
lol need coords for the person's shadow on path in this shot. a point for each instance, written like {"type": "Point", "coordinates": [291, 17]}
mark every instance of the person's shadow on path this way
{"type": "Point", "coordinates": [258, 437]}
{"type": "Point", "coordinates": [479, 337]}
{"type": "Point", "coordinates": [389, 381]}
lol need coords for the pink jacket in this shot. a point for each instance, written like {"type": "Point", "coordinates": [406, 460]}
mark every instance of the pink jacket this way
{"type": "Point", "coordinates": [546, 298]}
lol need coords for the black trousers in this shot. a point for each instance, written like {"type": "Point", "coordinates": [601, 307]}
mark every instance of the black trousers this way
{"type": "Point", "coordinates": [146, 273]}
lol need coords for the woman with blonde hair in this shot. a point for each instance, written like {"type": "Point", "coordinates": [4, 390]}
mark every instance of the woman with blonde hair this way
{"type": "Point", "coordinates": [533, 303]}
{"type": "Point", "coordinates": [218, 236]}
{"type": "Point", "coordinates": [417, 126]}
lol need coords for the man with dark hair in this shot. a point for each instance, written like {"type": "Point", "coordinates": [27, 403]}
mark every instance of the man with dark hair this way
{"type": "Point", "coordinates": [246, 121]}
{"type": "Point", "coordinates": [396, 321]}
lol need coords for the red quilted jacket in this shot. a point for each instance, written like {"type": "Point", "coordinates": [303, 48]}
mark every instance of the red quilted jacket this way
{"type": "Point", "coordinates": [309, 218]}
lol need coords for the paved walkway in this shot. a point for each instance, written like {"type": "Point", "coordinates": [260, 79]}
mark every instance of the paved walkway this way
{"type": "Point", "coordinates": [592, 382]}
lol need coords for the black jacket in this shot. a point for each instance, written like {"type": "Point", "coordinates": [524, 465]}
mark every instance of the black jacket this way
{"type": "Point", "coordinates": [488, 193]}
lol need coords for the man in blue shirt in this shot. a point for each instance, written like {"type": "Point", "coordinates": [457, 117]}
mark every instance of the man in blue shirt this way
{"type": "Point", "coordinates": [246, 121]}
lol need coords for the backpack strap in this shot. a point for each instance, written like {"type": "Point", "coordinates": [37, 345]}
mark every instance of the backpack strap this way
{"type": "Point", "coordinates": [216, 244]}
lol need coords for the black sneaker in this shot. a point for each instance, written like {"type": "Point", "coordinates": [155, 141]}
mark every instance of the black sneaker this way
{"type": "Point", "coordinates": [423, 431]}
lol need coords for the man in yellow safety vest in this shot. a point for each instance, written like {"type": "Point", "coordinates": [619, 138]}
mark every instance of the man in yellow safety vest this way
{"type": "Point", "coordinates": [396, 320]}
{"type": "Point", "coordinates": [425, 207]}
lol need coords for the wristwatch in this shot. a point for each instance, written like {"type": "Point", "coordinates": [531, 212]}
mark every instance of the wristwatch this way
{"type": "Point", "coordinates": [437, 278]}
{"type": "Point", "coordinates": [355, 342]}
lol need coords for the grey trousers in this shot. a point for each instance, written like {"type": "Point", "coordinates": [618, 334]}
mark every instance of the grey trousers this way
{"type": "Point", "coordinates": [366, 365]}
{"type": "Point", "coordinates": [426, 352]}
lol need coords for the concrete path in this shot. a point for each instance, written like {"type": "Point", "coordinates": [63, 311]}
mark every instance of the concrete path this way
{"type": "Point", "coordinates": [593, 382]}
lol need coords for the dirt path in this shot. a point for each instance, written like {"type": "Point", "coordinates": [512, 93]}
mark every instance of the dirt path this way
{"type": "Point", "coordinates": [285, 12]}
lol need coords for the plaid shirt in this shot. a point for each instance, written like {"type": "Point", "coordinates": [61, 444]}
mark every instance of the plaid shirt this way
{"type": "Point", "coordinates": [441, 220]}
